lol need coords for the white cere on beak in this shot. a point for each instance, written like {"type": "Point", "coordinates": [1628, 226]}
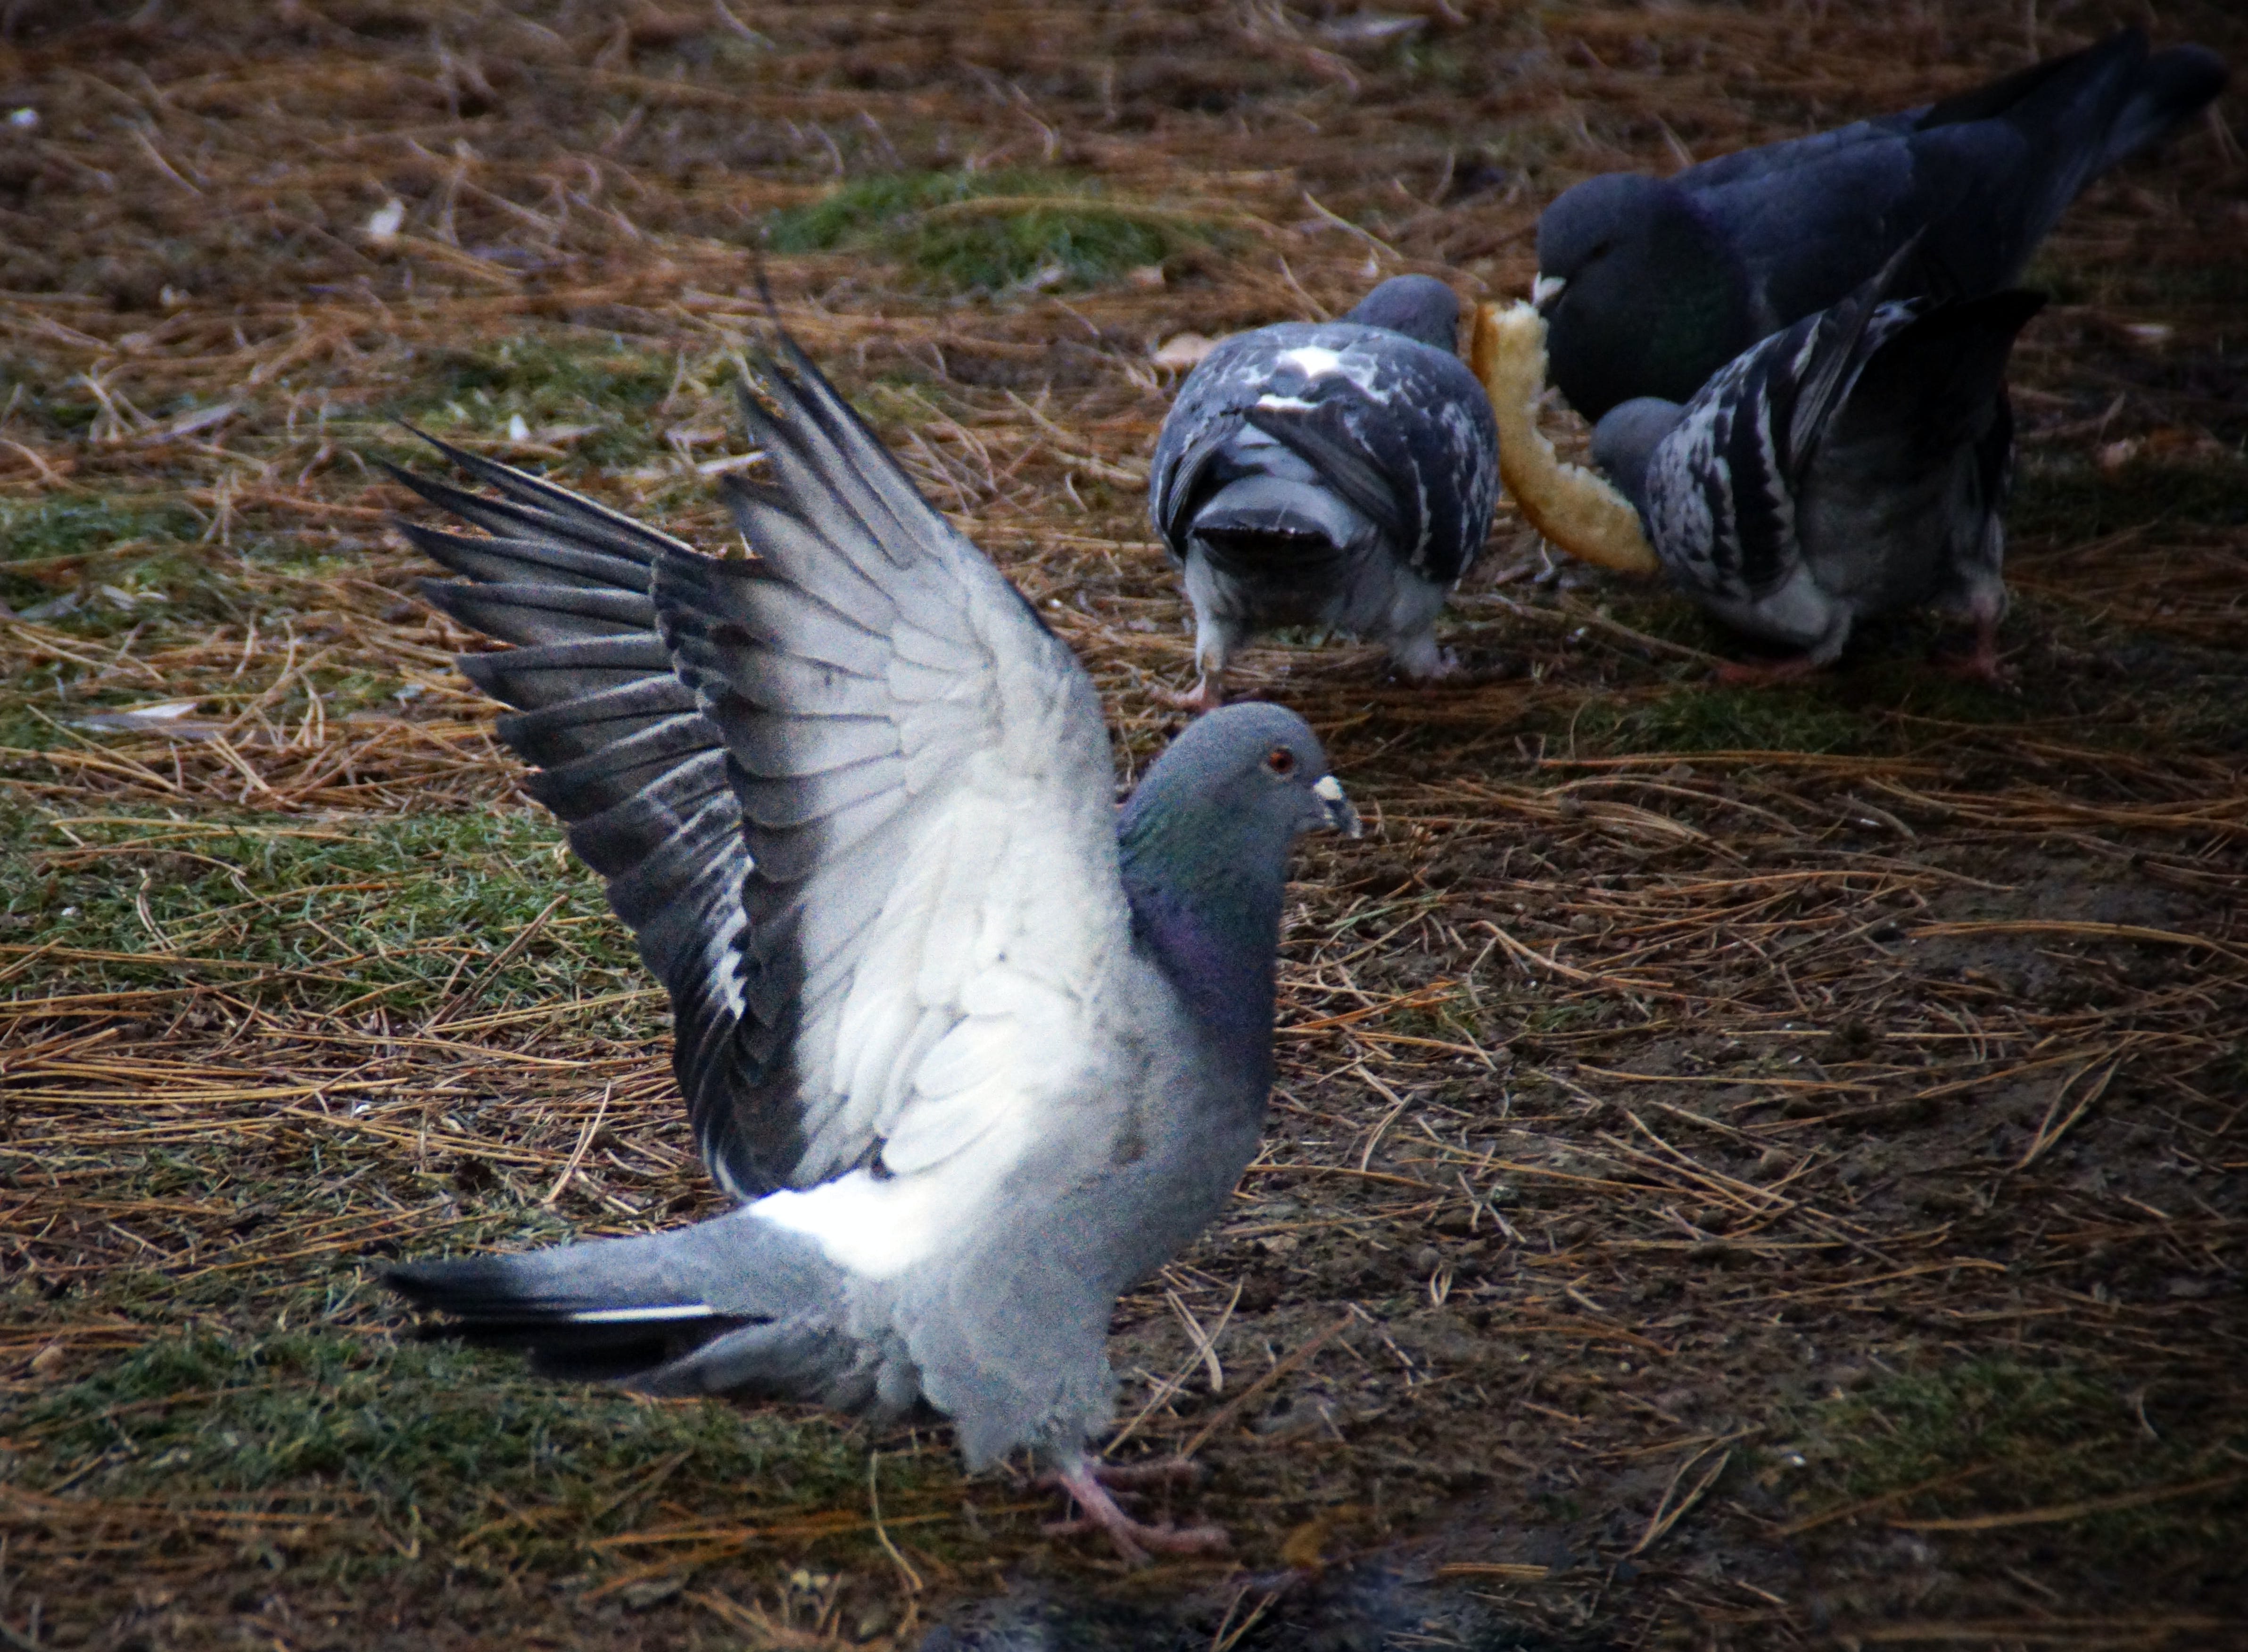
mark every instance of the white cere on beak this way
{"type": "Point", "coordinates": [1327, 789]}
{"type": "Point", "coordinates": [1546, 288]}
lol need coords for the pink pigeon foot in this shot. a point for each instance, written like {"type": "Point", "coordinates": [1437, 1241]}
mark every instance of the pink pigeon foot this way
{"type": "Point", "coordinates": [1980, 664]}
{"type": "Point", "coordinates": [1205, 695]}
{"type": "Point", "coordinates": [1098, 1511]}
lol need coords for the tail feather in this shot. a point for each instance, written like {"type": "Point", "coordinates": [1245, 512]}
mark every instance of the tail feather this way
{"type": "Point", "coordinates": [733, 1305]}
{"type": "Point", "coordinates": [1935, 382]}
{"type": "Point", "coordinates": [1277, 525]}
{"type": "Point", "coordinates": [2032, 89]}
{"type": "Point", "coordinates": [2171, 87]}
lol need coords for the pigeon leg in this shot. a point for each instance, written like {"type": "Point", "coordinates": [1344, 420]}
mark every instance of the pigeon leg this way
{"type": "Point", "coordinates": [1097, 1510]}
{"type": "Point", "coordinates": [1742, 674]}
{"type": "Point", "coordinates": [1421, 659]}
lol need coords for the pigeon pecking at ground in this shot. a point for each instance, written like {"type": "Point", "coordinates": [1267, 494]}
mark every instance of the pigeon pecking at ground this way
{"type": "Point", "coordinates": [1649, 286]}
{"type": "Point", "coordinates": [1854, 465]}
{"type": "Point", "coordinates": [1338, 474]}
{"type": "Point", "coordinates": [975, 1051]}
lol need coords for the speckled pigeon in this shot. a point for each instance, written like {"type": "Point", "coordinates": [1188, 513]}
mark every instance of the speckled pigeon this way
{"type": "Point", "coordinates": [1338, 473]}
{"type": "Point", "coordinates": [1650, 285]}
{"type": "Point", "coordinates": [1853, 465]}
{"type": "Point", "coordinates": [975, 1051]}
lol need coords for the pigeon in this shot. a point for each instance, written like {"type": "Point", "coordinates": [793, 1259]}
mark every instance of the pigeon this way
{"type": "Point", "coordinates": [1339, 473]}
{"type": "Point", "coordinates": [972, 1051]}
{"type": "Point", "coordinates": [1853, 465]}
{"type": "Point", "coordinates": [1649, 286]}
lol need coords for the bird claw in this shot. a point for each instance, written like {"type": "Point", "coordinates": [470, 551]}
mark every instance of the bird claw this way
{"type": "Point", "coordinates": [1125, 1476]}
{"type": "Point", "coordinates": [1980, 664]}
{"type": "Point", "coordinates": [1087, 1485]}
{"type": "Point", "coordinates": [1205, 695]}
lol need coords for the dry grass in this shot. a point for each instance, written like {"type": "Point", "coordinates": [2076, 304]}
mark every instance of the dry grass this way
{"type": "Point", "coordinates": [1748, 1168]}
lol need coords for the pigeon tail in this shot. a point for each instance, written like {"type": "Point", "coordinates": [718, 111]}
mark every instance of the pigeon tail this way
{"type": "Point", "coordinates": [1985, 214]}
{"type": "Point", "coordinates": [1278, 528]}
{"type": "Point", "coordinates": [1651, 287]}
{"type": "Point", "coordinates": [628, 760]}
{"type": "Point", "coordinates": [1378, 413]}
{"type": "Point", "coordinates": [737, 1305]}
{"type": "Point", "coordinates": [1936, 378]}
{"type": "Point", "coordinates": [2171, 87]}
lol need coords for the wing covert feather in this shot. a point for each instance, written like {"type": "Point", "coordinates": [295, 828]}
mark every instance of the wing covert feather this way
{"type": "Point", "coordinates": [926, 788]}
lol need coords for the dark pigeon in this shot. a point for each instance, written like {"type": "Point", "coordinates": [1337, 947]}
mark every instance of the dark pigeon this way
{"type": "Point", "coordinates": [1854, 465]}
{"type": "Point", "coordinates": [1650, 285]}
{"type": "Point", "coordinates": [974, 1052]}
{"type": "Point", "coordinates": [1339, 474]}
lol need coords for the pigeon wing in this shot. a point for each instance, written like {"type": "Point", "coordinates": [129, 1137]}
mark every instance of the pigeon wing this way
{"type": "Point", "coordinates": [627, 759]}
{"type": "Point", "coordinates": [1192, 452]}
{"type": "Point", "coordinates": [926, 790]}
{"type": "Point", "coordinates": [1400, 431]}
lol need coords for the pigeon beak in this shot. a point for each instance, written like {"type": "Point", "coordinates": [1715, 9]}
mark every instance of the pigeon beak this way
{"type": "Point", "coordinates": [1341, 817]}
{"type": "Point", "coordinates": [1544, 291]}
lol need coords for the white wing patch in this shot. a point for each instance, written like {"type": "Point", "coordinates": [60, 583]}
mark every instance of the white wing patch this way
{"type": "Point", "coordinates": [877, 1229]}
{"type": "Point", "coordinates": [1314, 361]}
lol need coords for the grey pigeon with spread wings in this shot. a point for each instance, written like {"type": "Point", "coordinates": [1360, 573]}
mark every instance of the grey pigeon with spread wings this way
{"type": "Point", "coordinates": [1649, 286]}
{"type": "Point", "coordinates": [1854, 465]}
{"type": "Point", "coordinates": [975, 1051]}
{"type": "Point", "coordinates": [1341, 474]}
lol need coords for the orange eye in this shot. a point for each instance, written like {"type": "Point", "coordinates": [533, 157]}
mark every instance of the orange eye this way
{"type": "Point", "coordinates": [1281, 761]}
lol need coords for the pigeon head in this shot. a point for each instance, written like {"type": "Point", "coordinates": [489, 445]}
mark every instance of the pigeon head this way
{"type": "Point", "coordinates": [1421, 307]}
{"type": "Point", "coordinates": [1639, 291]}
{"type": "Point", "coordinates": [1243, 782]}
{"type": "Point", "coordinates": [1626, 439]}
{"type": "Point", "coordinates": [1203, 843]}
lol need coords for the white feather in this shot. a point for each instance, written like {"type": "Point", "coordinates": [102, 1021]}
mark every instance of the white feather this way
{"type": "Point", "coordinates": [1314, 361]}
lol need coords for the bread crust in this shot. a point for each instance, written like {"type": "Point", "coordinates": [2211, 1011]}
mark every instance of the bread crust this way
{"type": "Point", "coordinates": [1576, 511]}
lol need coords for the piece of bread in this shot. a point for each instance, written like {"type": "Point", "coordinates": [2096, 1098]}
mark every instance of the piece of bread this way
{"type": "Point", "coordinates": [1575, 510]}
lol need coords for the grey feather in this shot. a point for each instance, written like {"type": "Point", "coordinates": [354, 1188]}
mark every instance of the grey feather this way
{"type": "Point", "coordinates": [973, 1054]}
{"type": "Point", "coordinates": [1851, 466]}
{"type": "Point", "coordinates": [1650, 285]}
{"type": "Point", "coordinates": [1341, 474]}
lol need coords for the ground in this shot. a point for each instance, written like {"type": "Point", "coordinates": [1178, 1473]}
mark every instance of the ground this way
{"type": "Point", "coordinates": [1750, 1167]}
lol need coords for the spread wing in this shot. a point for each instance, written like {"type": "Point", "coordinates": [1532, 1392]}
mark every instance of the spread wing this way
{"type": "Point", "coordinates": [922, 900]}
{"type": "Point", "coordinates": [626, 757]}
{"type": "Point", "coordinates": [927, 795]}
